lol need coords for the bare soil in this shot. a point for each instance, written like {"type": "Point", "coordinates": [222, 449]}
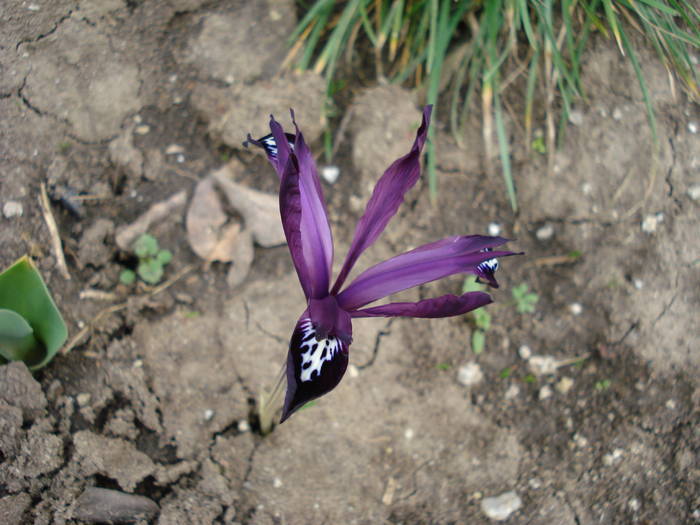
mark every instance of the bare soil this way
{"type": "Point", "coordinates": [158, 398]}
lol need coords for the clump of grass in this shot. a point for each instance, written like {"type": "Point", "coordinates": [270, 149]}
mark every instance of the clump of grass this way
{"type": "Point", "coordinates": [470, 49]}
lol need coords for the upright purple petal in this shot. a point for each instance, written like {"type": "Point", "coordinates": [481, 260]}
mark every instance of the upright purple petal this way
{"type": "Point", "coordinates": [291, 213]}
{"type": "Point", "coordinates": [316, 237]}
{"type": "Point", "coordinates": [386, 198]}
{"type": "Point", "coordinates": [315, 365]}
{"type": "Point", "coordinates": [424, 264]}
{"type": "Point", "coordinates": [443, 306]}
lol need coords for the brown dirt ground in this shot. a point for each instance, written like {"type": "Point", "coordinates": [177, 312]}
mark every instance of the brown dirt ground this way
{"type": "Point", "coordinates": [158, 400]}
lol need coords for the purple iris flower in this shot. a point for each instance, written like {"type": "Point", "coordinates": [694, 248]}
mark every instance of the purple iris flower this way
{"type": "Point", "coordinates": [318, 351]}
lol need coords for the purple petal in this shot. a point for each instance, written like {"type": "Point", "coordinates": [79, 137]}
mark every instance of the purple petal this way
{"type": "Point", "coordinates": [316, 237]}
{"type": "Point", "coordinates": [386, 198]}
{"type": "Point", "coordinates": [291, 213]}
{"type": "Point", "coordinates": [315, 365]}
{"type": "Point", "coordinates": [424, 264]}
{"type": "Point", "coordinates": [269, 144]}
{"type": "Point", "coordinates": [443, 306]}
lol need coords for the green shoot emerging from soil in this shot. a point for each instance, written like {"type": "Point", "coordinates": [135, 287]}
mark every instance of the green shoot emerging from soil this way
{"type": "Point", "coordinates": [31, 327]}
{"type": "Point", "coordinates": [524, 301]}
{"type": "Point", "coordinates": [151, 261]}
{"type": "Point", "coordinates": [467, 49]}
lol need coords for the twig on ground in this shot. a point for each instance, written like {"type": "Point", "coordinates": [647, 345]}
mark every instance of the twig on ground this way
{"type": "Point", "coordinates": [53, 232]}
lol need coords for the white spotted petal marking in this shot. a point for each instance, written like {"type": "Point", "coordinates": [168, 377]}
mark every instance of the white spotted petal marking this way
{"type": "Point", "coordinates": [318, 351]}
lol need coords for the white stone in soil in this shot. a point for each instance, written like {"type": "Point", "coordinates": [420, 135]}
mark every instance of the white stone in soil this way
{"type": "Point", "coordinates": [617, 114]}
{"type": "Point", "coordinates": [576, 308]}
{"type": "Point", "coordinates": [330, 174]}
{"type": "Point", "coordinates": [542, 365]}
{"type": "Point", "coordinates": [12, 209]}
{"type": "Point", "coordinates": [512, 392]}
{"type": "Point", "coordinates": [693, 127]}
{"type": "Point", "coordinates": [564, 385]}
{"type": "Point", "coordinates": [650, 223]}
{"type": "Point", "coordinates": [524, 352]}
{"type": "Point", "coordinates": [243, 426]}
{"type": "Point", "coordinates": [494, 229]}
{"type": "Point", "coordinates": [470, 374]}
{"type": "Point", "coordinates": [208, 414]}
{"type": "Point", "coordinates": [545, 233]}
{"type": "Point", "coordinates": [634, 504]}
{"type": "Point", "coordinates": [545, 392]}
{"type": "Point", "coordinates": [694, 192]}
{"type": "Point", "coordinates": [500, 507]}
{"type": "Point", "coordinates": [576, 117]}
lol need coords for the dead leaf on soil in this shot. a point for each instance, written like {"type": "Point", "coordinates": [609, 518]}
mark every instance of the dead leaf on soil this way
{"type": "Point", "coordinates": [260, 211]}
{"type": "Point", "coordinates": [244, 251]}
{"type": "Point", "coordinates": [156, 213]}
{"type": "Point", "coordinates": [205, 218]}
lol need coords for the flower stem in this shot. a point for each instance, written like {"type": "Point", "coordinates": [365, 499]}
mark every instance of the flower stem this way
{"type": "Point", "coordinates": [270, 404]}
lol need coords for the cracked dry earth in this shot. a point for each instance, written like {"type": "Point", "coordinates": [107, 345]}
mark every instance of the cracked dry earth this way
{"type": "Point", "coordinates": [150, 418]}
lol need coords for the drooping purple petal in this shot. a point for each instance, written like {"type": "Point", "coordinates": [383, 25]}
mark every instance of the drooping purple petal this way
{"type": "Point", "coordinates": [291, 213]}
{"type": "Point", "coordinates": [315, 365]}
{"type": "Point", "coordinates": [386, 198]}
{"type": "Point", "coordinates": [424, 264]}
{"type": "Point", "coordinates": [443, 306]}
{"type": "Point", "coordinates": [316, 237]}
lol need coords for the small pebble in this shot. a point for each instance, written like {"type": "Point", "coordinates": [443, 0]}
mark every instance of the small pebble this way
{"type": "Point", "coordinates": [693, 127]}
{"type": "Point", "coordinates": [617, 114]}
{"type": "Point", "coordinates": [494, 229]}
{"type": "Point", "coordinates": [609, 459]}
{"type": "Point", "coordinates": [229, 79]}
{"type": "Point", "coordinates": [581, 441]}
{"type": "Point", "coordinates": [243, 426]}
{"type": "Point", "coordinates": [545, 233]}
{"type": "Point", "coordinates": [208, 414]}
{"type": "Point", "coordinates": [33, 7]}
{"type": "Point", "coordinates": [694, 192]}
{"type": "Point", "coordinates": [535, 483]}
{"type": "Point", "coordinates": [671, 404]}
{"type": "Point", "coordinates": [512, 392]}
{"type": "Point", "coordinates": [524, 352]}
{"type": "Point", "coordinates": [12, 209]}
{"type": "Point", "coordinates": [587, 188]}
{"type": "Point", "coordinates": [83, 399]}
{"type": "Point", "coordinates": [330, 174]}
{"type": "Point", "coordinates": [576, 308]}
{"type": "Point", "coordinates": [638, 284]}
{"type": "Point", "coordinates": [634, 504]}
{"type": "Point", "coordinates": [180, 158]}
{"type": "Point", "coordinates": [277, 483]}
{"type": "Point", "coordinates": [542, 365]}
{"type": "Point", "coordinates": [564, 385]}
{"type": "Point", "coordinates": [545, 393]}
{"type": "Point", "coordinates": [408, 433]}
{"type": "Point", "coordinates": [174, 149]}
{"type": "Point", "coordinates": [138, 363]}
{"type": "Point", "coordinates": [143, 129]}
{"type": "Point", "coordinates": [649, 224]}
{"type": "Point", "coordinates": [576, 117]}
{"type": "Point", "coordinates": [470, 374]}
{"type": "Point", "coordinates": [177, 99]}
{"type": "Point", "coordinates": [353, 371]}
{"type": "Point", "coordinates": [500, 507]}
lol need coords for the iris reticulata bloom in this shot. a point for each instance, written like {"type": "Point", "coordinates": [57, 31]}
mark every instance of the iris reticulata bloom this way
{"type": "Point", "coordinates": [318, 350]}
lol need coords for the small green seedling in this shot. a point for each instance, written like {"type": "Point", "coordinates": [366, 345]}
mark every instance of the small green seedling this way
{"type": "Point", "coordinates": [482, 319]}
{"type": "Point", "coordinates": [539, 146]}
{"type": "Point", "coordinates": [443, 366]}
{"type": "Point", "coordinates": [31, 327]}
{"type": "Point", "coordinates": [151, 261]}
{"type": "Point", "coordinates": [524, 301]}
{"type": "Point", "coordinates": [602, 385]}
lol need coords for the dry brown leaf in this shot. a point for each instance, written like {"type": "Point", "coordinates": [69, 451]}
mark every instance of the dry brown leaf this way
{"type": "Point", "coordinates": [205, 219]}
{"type": "Point", "coordinates": [226, 248]}
{"type": "Point", "coordinates": [243, 253]}
{"type": "Point", "coordinates": [260, 211]}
